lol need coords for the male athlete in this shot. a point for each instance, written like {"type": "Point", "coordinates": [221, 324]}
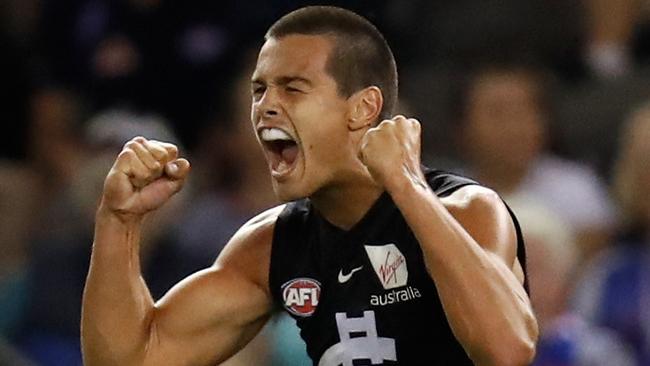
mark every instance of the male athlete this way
{"type": "Point", "coordinates": [381, 261]}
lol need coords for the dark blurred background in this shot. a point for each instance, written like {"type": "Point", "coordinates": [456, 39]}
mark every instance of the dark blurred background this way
{"type": "Point", "coordinates": [545, 101]}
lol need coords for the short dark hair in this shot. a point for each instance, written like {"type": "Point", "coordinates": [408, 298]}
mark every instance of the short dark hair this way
{"type": "Point", "coordinates": [361, 56]}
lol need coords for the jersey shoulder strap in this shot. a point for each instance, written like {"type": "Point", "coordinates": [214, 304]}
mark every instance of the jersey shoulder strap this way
{"type": "Point", "coordinates": [290, 251]}
{"type": "Point", "coordinates": [445, 183]}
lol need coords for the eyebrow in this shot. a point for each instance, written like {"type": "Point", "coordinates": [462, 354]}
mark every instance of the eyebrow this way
{"type": "Point", "coordinates": [284, 80]}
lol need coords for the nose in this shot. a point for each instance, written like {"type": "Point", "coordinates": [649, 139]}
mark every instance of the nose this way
{"type": "Point", "coordinates": [268, 105]}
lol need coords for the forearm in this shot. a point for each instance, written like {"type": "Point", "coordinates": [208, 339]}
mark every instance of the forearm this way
{"type": "Point", "coordinates": [117, 306]}
{"type": "Point", "coordinates": [486, 305]}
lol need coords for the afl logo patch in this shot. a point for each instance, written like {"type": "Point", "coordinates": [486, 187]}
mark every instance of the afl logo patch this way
{"type": "Point", "coordinates": [301, 296]}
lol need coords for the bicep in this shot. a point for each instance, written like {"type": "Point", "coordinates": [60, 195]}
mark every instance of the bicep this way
{"type": "Point", "coordinates": [213, 313]}
{"type": "Point", "coordinates": [206, 318]}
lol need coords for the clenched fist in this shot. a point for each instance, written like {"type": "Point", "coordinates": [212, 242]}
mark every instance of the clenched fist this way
{"type": "Point", "coordinates": [391, 152]}
{"type": "Point", "coordinates": [144, 176]}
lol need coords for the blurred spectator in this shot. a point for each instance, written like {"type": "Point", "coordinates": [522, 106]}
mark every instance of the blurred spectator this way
{"type": "Point", "coordinates": [16, 210]}
{"type": "Point", "coordinates": [55, 145]}
{"type": "Point", "coordinates": [610, 31]}
{"type": "Point", "coordinates": [9, 356]}
{"type": "Point", "coordinates": [615, 290]}
{"type": "Point", "coordinates": [504, 113]}
{"type": "Point", "coordinates": [617, 38]}
{"type": "Point", "coordinates": [287, 348]}
{"type": "Point", "coordinates": [565, 338]}
{"type": "Point", "coordinates": [53, 157]}
{"type": "Point", "coordinates": [159, 56]}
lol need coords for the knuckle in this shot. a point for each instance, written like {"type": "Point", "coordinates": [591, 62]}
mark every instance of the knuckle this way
{"type": "Point", "coordinates": [131, 144]}
{"type": "Point", "coordinates": [126, 153]}
{"type": "Point", "coordinates": [156, 145]}
{"type": "Point", "coordinates": [372, 133]}
{"type": "Point", "coordinates": [160, 152]}
{"type": "Point", "coordinates": [387, 123]}
{"type": "Point", "coordinates": [169, 149]}
{"type": "Point", "coordinates": [155, 151]}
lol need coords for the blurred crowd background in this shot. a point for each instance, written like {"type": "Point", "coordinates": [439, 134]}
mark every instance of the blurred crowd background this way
{"type": "Point", "coordinates": [545, 101]}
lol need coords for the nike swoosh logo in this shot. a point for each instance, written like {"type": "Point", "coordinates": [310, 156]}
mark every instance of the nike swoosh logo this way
{"type": "Point", "coordinates": [345, 278]}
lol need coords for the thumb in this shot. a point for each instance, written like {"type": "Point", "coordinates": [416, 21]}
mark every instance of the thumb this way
{"type": "Point", "coordinates": [177, 169]}
{"type": "Point", "coordinates": [362, 152]}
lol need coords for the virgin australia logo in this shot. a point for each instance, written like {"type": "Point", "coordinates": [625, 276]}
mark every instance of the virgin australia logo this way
{"type": "Point", "coordinates": [389, 265]}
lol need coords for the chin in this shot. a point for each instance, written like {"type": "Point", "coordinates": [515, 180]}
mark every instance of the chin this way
{"type": "Point", "coordinates": [286, 194]}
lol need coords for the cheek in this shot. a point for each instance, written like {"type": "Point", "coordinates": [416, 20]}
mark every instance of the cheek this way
{"type": "Point", "coordinates": [321, 126]}
{"type": "Point", "coordinates": [326, 143]}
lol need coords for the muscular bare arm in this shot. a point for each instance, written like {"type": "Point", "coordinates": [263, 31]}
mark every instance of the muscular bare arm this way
{"type": "Point", "coordinates": [469, 246]}
{"type": "Point", "coordinates": [202, 320]}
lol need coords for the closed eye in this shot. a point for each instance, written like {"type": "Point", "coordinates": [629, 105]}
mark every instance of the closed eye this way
{"type": "Point", "coordinates": [258, 90]}
{"type": "Point", "coordinates": [291, 89]}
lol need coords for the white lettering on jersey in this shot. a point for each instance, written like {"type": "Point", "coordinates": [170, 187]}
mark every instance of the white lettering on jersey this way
{"type": "Point", "coordinates": [389, 265]}
{"type": "Point", "coordinates": [368, 347]}
{"type": "Point", "coordinates": [301, 296]}
{"type": "Point", "coordinates": [395, 296]}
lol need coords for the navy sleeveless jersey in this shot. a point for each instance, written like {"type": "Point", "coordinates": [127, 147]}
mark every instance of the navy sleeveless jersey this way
{"type": "Point", "coordinates": [364, 296]}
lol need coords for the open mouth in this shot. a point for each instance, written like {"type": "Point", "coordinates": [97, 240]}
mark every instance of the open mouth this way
{"type": "Point", "coordinates": [282, 150]}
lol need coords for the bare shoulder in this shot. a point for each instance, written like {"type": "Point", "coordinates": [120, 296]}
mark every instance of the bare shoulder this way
{"type": "Point", "coordinates": [249, 251]}
{"type": "Point", "coordinates": [473, 198]}
{"type": "Point", "coordinates": [486, 218]}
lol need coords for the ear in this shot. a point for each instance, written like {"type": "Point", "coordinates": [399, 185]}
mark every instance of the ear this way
{"type": "Point", "coordinates": [364, 108]}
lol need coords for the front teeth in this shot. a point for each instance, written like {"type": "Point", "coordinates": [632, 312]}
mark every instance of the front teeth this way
{"type": "Point", "coordinates": [272, 134]}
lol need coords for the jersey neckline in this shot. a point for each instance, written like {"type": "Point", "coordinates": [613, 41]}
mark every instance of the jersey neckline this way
{"type": "Point", "coordinates": [368, 219]}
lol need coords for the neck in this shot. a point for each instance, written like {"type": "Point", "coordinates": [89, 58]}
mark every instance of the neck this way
{"type": "Point", "coordinates": [345, 205]}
